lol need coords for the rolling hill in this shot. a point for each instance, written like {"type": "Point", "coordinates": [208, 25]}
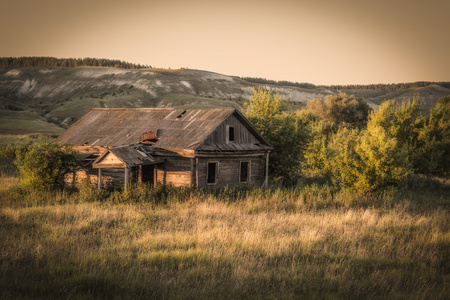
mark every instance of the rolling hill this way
{"type": "Point", "coordinates": [47, 100]}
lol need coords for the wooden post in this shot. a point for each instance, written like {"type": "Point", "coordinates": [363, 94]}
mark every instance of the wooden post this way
{"type": "Point", "coordinates": [127, 177]}
{"type": "Point", "coordinates": [164, 174]}
{"type": "Point", "coordinates": [193, 172]}
{"type": "Point", "coordinates": [196, 173]}
{"type": "Point", "coordinates": [140, 173]}
{"type": "Point", "coordinates": [99, 178]}
{"type": "Point", "coordinates": [266, 180]}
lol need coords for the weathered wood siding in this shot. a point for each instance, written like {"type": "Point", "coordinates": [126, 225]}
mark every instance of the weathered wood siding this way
{"type": "Point", "coordinates": [110, 160]}
{"type": "Point", "coordinates": [241, 134]}
{"type": "Point", "coordinates": [176, 171]}
{"type": "Point", "coordinates": [110, 177]}
{"type": "Point", "coordinates": [229, 168]}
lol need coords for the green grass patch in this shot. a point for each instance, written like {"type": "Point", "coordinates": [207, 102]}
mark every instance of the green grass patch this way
{"type": "Point", "coordinates": [23, 122]}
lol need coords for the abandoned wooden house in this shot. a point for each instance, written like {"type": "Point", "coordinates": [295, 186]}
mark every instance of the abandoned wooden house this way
{"type": "Point", "coordinates": [183, 147]}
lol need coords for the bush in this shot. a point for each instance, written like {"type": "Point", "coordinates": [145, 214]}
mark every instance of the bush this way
{"type": "Point", "coordinates": [338, 109]}
{"type": "Point", "coordinates": [383, 163]}
{"type": "Point", "coordinates": [41, 163]}
{"type": "Point", "coordinates": [365, 161]}
{"type": "Point", "coordinates": [425, 137]}
{"type": "Point", "coordinates": [433, 158]}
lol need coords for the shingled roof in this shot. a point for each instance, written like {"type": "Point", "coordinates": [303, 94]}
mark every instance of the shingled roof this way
{"type": "Point", "coordinates": [182, 128]}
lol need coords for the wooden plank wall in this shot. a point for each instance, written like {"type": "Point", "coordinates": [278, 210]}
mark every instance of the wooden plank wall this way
{"type": "Point", "coordinates": [176, 171]}
{"type": "Point", "coordinates": [241, 134]}
{"type": "Point", "coordinates": [111, 160]}
{"type": "Point", "coordinates": [229, 170]}
{"type": "Point", "coordinates": [110, 177]}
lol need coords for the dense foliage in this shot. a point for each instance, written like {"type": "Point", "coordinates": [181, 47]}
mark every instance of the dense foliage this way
{"type": "Point", "coordinates": [267, 112]}
{"type": "Point", "coordinates": [42, 164]}
{"type": "Point", "coordinates": [339, 109]}
{"type": "Point", "coordinates": [434, 139]}
{"type": "Point", "coordinates": [425, 137]}
{"type": "Point", "coordinates": [339, 140]}
{"type": "Point", "coordinates": [50, 62]}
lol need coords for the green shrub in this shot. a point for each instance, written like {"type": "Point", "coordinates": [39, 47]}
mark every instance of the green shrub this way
{"type": "Point", "coordinates": [382, 162]}
{"type": "Point", "coordinates": [285, 131]}
{"type": "Point", "coordinates": [338, 109]}
{"type": "Point", "coordinates": [433, 158]}
{"type": "Point", "coordinates": [41, 163]}
{"type": "Point", "coordinates": [365, 161]}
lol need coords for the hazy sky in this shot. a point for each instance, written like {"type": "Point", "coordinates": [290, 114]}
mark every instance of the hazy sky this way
{"type": "Point", "coordinates": [316, 41]}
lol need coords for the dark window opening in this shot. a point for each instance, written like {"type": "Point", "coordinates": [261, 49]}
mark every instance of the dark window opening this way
{"type": "Point", "coordinates": [147, 174]}
{"type": "Point", "coordinates": [212, 173]}
{"type": "Point", "coordinates": [231, 134]}
{"type": "Point", "coordinates": [244, 171]}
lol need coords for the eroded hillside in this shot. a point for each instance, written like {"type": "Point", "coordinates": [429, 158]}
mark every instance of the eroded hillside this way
{"type": "Point", "coordinates": [49, 99]}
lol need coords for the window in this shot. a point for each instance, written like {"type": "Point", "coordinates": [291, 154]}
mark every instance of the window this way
{"type": "Point", "coordinates": [211, 176]}
{"type": "Point", "coordinates": [230, 134]}
{"type": "Point", "coordinates": [244, 171]}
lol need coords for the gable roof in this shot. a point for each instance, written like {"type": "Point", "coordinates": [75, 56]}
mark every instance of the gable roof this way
{"type": "Point", "coordinates": [181, 128]}
{"type": "Point", "coordinates": [128, 156]}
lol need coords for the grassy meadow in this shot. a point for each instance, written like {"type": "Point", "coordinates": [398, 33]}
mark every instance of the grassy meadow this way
{"type": "Point", "coordinates": [164, 243]}
{"type": "Point", "coordinates": [25, 122]}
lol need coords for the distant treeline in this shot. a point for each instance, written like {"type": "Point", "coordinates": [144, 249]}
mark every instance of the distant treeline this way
{"type": "Point", "coordinates": [386, 87]}
{"type": "Point", "coordinates": [49, 62]}
{"type": "Point", "coordinates": [303, 85]}
{"type": "Point", "coordinates": [375, 87]}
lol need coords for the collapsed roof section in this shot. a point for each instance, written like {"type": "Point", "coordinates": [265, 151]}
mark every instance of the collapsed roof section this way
{"type": "Point", "coordinates": [124, 157]}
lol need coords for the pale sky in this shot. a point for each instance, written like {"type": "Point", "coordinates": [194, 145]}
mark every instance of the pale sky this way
{"type": "Point", "coordinates": [316, 41]}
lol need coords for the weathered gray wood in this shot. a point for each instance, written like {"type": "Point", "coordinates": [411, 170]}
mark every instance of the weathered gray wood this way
{"type": "Point", "coordinates": [193, 172]}
{"type": "Point", "coordinates": [229, 154]}
{"type": "Point", "coordinates": [241, 133]}
{"type": "Point", "coordinates": [127, 177]}
{"type": "Point", "coordinates": [99, 179]}
{"type": "Point", "coordinates": [181, 163]}
{"type": "Point", "coordinates": [229, 170]}
{"type": "Point", "coordinates": [196, 173]}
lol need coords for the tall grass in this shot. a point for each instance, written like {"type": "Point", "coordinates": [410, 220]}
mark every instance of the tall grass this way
{"type": "Point", "coordinates": [309, 242]}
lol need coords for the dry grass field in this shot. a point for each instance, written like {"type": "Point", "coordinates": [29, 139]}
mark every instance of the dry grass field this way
{"type": "Point", "coordinates": [239, 243]}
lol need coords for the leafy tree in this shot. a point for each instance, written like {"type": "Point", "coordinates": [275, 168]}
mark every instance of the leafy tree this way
{"type": "Point", "coordinates": [365, 160]}
{"type": "Point", "coordinates": [338, 109]}
{"type": "Point", "coordinates": [283, 130]}
{"type": "Point", "coordinates": [263, 107]}
{"type": "Point", "coordinates": [42, 164]}
{"type": "Point", "coordinates": [402, 121]}
{"type": "Point", "coordinates": [433, 158]}
{"type": "Point", "coordinates": [382, 161]}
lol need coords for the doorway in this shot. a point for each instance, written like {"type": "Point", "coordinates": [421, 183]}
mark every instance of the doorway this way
{"type": "Point", "coordinates": [147, 174]}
